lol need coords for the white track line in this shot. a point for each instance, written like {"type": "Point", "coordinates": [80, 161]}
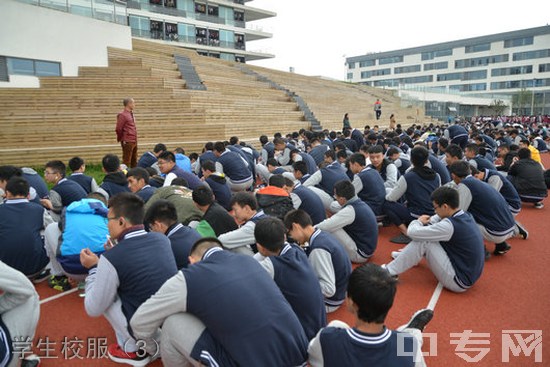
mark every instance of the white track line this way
{"type": "Point", "coordinates": [435, 296]}
{"type": "Point", "coordinates": [45, 300]}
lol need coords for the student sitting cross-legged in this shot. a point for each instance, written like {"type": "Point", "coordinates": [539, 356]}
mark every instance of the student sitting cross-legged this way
{"type": "Point", "coordinates": [371, 291]}
{"type": "Point", "coordinates": [126, 275]}
{"type": "Point", "coordinates": [288, 265]}
{"type": "Point", "coordinates": [450, 241]}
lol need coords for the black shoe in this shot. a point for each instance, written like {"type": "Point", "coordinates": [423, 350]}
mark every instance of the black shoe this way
{"type": "Point", "coordinates": [501, 248]}
{"type": "Point", "coordinates": [420, 319]}
{"type": "Point", "coordinates": [44, 275]}
{"type": "Point", "coordinates": [401, 239]}
{"type": "Point", "coordinates": [522, 231]}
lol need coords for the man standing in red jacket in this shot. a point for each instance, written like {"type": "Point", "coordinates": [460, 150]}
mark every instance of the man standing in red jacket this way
{"type": "Point", "coordinates": [126, 133]}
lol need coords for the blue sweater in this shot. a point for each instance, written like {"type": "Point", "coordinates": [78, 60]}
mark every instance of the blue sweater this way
{"type": "Point", "coordinates": [182, 238]}
{"type": "Point", "coordinates": [364, 229]}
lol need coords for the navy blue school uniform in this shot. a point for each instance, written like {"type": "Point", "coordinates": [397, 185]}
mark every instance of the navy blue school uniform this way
{"type": "Point", "coordinates": [440, 169]}
{"type": "Point", "coordinates": [248, 321]}
{"type": "Point", "coordinates": [318, 153]}
{"type": "Point", "coordinates": [508, 191]}
{"type": "Point", "coordinates": [331, 174]}
{"type": "Point", "coordinates": [353, 348]}
{"type": "Point", "coordinates": [146, 192]}
{"type": "Point", "coordinates": [297, 280]}
{"type": "Point", "coordinates": [69, 191]}
{"type": "Point", "coordinates": [22, 246]}
{"type": "Point", "coordinates": [483, 163]}
{"type": "Point", "coordinates": [234, 167]}
{"type": "Point", "coordinates": [357, 136]}
{"type": "Point", "coordinates": [143, 262]}
{"type": "Point", "coordinates": [36, 182]}
{"type": "Point", "coordinates": [340, 262]}
{"type": "Point", "coordinates": [147, 160]}
{"type": "Point", "coordinates": [192, 181]}
{"type": "Point", "coordinates": [278, 171]}
{"type": "Point", "coordinates": [221, 189]}
{"type": "Point", "coordinates": [419, 191]}
{"type": "Point", "coordinates": [115, 183]}
{"type": "Point", "coordinates": [310, 162]}
{"type": "Point", "coordinates": [465, 249]}
{"type": "Point", "coordinates": [498, 221]}
{"type": "Point", "coordinates": [83, 180]}
{"type": "Point", "coordinates": [458, 135]}
{"type": "Point", "coordinates": [182, 238]}
{"type": "Point", "coordinates": [374, 192]}
{"type": "Point", "coordinates": [311, 203]}
{"type": "Point", "coordinates": [364, 229]}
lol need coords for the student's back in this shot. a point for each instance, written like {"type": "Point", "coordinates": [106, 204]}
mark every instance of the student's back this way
{"type": "Point", "coordinates": [114, 183]}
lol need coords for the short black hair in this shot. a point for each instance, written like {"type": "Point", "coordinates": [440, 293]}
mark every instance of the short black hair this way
{"type": "Point", "coordinates": [233, 140]}
{"type": "Point", "coordinates": [270, 233]}
{"type": "Point", "coordinates": [272, 162]}
{"type": "Point", "coordinates": [203, 195]}
{"type": "Point", "coordinates": [179, 150]}
{"type": "Point", "coordinates": [110, 163]}
{"type": "Point", "coordinates": [298, 216]}
{"type": "Point", "coordinates": [373, 290]}
{"type": "Point", "coordinates": [300, 166]}
{"type": "Point", "coordinates": [454, 151]}
{"type": "Point", "coordinates": [219, 146]}
{"type": "Point", "coordinates": [57, 167]}
{"type": "Point", "coordinates": [419, 156]}
{"type": "Point", "coordinates": [243, 199]}
{"type": "Point", "coordinates": [193, 156]}
{"type": "Point", "coordinates": [204, 244]}
{"type": "Point", "coordinates": [76, 163]}
{"type": "Point", "coordinates": [129, 206]}
{"type": "Point", "coordinates": [472, 147]}
{"type": "Point", "coordinates": [358, 158]}
{"type": "Point", "coordinates": [524, 153]}
{"type": "Point", "coordinates": [278, 141]}
{"type": "Point", "coordinates": [277, 181]}
{"type": "Point", "coordinates": [167, 156]}
{"type": "Point", "coordinates": [460, 169]}
{"type": "Point", "coordinates": [342, 154]}
{"type": "Point", "coordinates": [139, 173]}
{"type": "Point", "coordinates": [159, 148]}
{"type": "Point", "coordinates": [18, 186]}
{"type": "Point", "coordinates": [179, 181]}
{"type": "Point", "coordinates": [330, 154]}
{"type": "Point", "coordinates": [345, 189]}
{"type": "Point", "coordinates": [208, 165]}
{"type": "Point", "coordinates": [263, 139]}
{"type": "Point", "coordinates": [375, 149]}
{"type": "Point", "coordinates": [446, 195]}
{"type": "Point", "coordinates": [161, 211]}
{"type": "Point", "coordinates": [7, 172]}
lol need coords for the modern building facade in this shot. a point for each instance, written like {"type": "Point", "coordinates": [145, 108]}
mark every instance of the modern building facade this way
{"type": "Point", "coordinates": [56, 37]}
{"type": "Point", "coordinates": [500, 64]}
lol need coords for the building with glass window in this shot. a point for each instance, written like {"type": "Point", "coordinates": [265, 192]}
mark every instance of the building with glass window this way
{"type": "Point", "coordinates": [504, 63]}
{"type": "Point", "coordinates": [56, 37]}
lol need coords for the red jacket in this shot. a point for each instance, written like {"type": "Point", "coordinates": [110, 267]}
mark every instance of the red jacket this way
{"type": "Point", "coordinates": [126, 127]}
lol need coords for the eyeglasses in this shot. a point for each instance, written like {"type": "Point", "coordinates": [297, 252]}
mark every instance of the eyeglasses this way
{"type": "Point", "coordinates": [46, 173]}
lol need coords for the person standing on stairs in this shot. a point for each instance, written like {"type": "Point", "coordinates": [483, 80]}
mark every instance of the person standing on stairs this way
{"type": "Point", "coordinates": [126, 133]}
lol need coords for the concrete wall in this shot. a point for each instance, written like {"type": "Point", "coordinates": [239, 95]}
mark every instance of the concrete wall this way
{"type": "Point", "coordinates": [33, 32]}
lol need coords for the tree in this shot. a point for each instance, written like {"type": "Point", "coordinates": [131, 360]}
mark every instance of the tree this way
{"type": "Point", "coordinates": [522, 101]}
{"type": "Point", "coordinates": [498, 106]}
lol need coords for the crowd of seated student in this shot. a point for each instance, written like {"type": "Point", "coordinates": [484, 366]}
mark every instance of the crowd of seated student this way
{"type": "Point", "coordinates": [326, 192]}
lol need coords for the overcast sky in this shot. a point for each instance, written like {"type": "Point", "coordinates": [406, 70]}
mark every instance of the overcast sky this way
{"type": "Point", "coordinates": [315, 36]}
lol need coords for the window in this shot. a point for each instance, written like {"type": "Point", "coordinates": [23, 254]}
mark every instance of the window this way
{"type": "Point", "coordinates": [367, 63]}
{"type": "Point", "coordinates": [379, 72]}
{"type": "Point", "coordinates": [480, 61]}
{"type": "Point", "coordinates": [20, 66]}
{"type": "Point", "coordinates": [213, 11]}
{"type": "Point", "coordinates": [397, 82]}
{"type": "Point", "coordinates": [477, 48]}
{"type": "Point", "coordinates": [200, 8]}
{"type": "Point", "coordinates": [433, 54]}
{"type": "Point", "coordinates": [527, 69]}
{"type": "Point", "coordinates": [538, 54]}
{"type": "Point", "coordinates": [449, 76]}
{"type": "Point", "coordinates": [186, 33]}
{"type": "Point", "coordinates": [470, 75]}
{"type": "Point", "coordinates": [516, 84]}
{"type": "Point", "coordinates": [239, 16]}
{"type": "Point", "coordinates": [351, 65]}
{"type": "Point", "coordinates": [406, 69]}
{"type": "Point", "coordinates": [469, 87]}
{"type": "Point", "coordinates": [436, 65]}
{"type": "Point", "coordinates": [544, 68]}
{"type": "Point", "coordinates": [350, 76]}
{"type": "Point", "coordinates": [390, 60]}
{"type": "Point", "coordinates": [517, 42]}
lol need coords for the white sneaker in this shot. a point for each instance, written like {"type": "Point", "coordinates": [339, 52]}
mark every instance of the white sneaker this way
{"type": "Point", "coordinates": [395, 254]}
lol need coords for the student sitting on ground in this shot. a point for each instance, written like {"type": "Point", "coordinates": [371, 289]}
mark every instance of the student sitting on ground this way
{"type": "Point", "coordinates": [305, 199]}
{"type": "Point", "coordinates": [289, 267]}
{"type": "Point", "coordinates": [247, 214]}
{"type": "Point", "coordinates": [115, 180]}
{"type": "Point", "coordinates": [149, 159]}
{"type": "Point", "coordinates": [527, 176]}
{"type": "Point", "coordinates": [82, 225]}
{"type": "Point", "coordinates": [497, 224]}
{"type": "Point", "coordinates": [78, 168]}
{"type": "Point", "coordinates": [19, 313]}
{"type": "Point", "coordinates": [234, 167]}
{"type": "Point", "coordinates": [371, 291]}
{"type": "Point", "coordinates": [368, 183]}
{"type": "Point", "coordinates": [21, 223]}
{"type": "Point", "coordinates": [273, 199]}
{"type": "Point", "coordinates": [138, 183]}
{"type": "Point", "coordinates": [449, 240]}
{"type": "Point", "coordinates": [179, 195]}
{"type": "Point", "coordinates": [354, 225]}
{"type": "Point", "coordinates": [162, 217]}
{"type": "Point", "coordinates": [127, 274]}
{"type": "Point", "coordinates": [300, 172]}
{"type": "Point", "coordinates": [217, 183]}
{"type": "Point", "coordinates": [216, 220]}
{"type": "Point", "coordinates": [384, 166]}
{"type": "Point", "coordinates": [168, 166]}
{"type": "Point", "coordinates": [223, 310]}
{"type": "Point", "coordinates": [182, 160]}
{"type": "Point", "coordinates": [326, 255]}
{"type": "Point", "coordinates": [63, 192]}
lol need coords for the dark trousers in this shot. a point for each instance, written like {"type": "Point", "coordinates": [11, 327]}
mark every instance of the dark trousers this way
{"type": "Point", "coordinates": [397, 213]}
{"type": "Point", "coordinates": [378, 114]}
{"type": "Point", "coordinates": [129, 153]}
